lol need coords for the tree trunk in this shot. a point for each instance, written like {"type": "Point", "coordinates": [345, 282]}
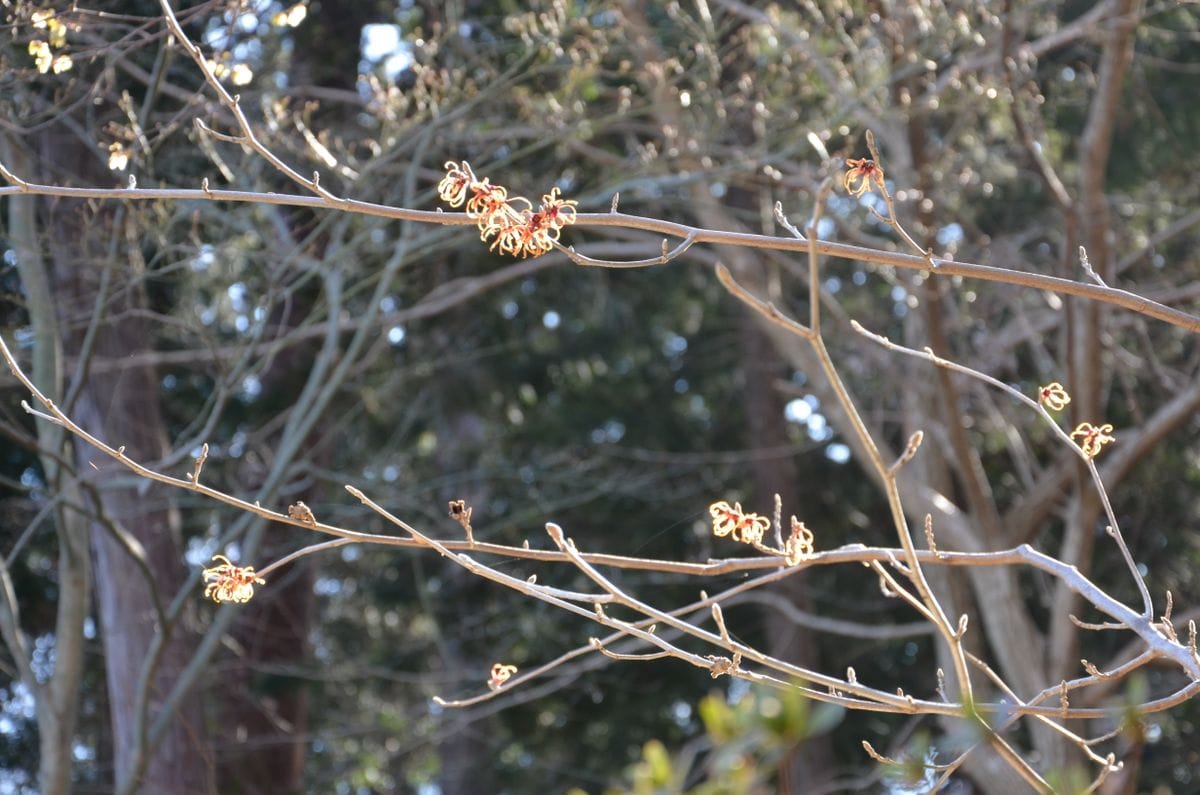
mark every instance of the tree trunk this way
{"type": "Point", "coordinates": [57, 700]}
{"type": "Point", "coordinates": [121, 406]}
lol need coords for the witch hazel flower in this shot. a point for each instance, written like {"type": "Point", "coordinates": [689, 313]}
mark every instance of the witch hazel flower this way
{"type": "Point", "coordinates": [1092, 438]}
{"type": "Point", "coordinates": [1054, 396]}
{"type": "Point", "coordinates": [230, 583]}
{"type": "Point", "coordinates": [509, 222]}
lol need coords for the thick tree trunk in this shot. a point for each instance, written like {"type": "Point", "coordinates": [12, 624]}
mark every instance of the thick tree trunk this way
{"type": "Point", "coordinates": [57, 700]}
{"type": "Point", "coordinates": [121, 406]}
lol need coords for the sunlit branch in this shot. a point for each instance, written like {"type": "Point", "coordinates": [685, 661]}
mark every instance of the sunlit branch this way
{"type": "Point", "coordinates": [1114, 530]}
{"type": "Point", "coordinates": [1020, 278]}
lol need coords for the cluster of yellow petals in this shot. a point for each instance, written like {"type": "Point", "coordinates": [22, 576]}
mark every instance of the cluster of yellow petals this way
{"type": "Point", "coordinates": [860, 174]}
{"type": "Point", "coordinates": [1054, 396]}
{"type": "Point", "coordinates": [500, 674]}
{"type": "Point", "coordinates": [118, 156]}
{"type": "Point", "coordinates": [1092, 437]}
{"type": "Point", "coordinates": [48, 21]}
{"type": "Point", "coordinates": [230, 583]}
{"type": "Point", "coordinates": [748, 528]}
{"type": "Point", "coordinates": [511, 223]}
{"type": "Point", "coordinates": [45, 59]}
{"type": "Point", "coordinates": [42, 50]}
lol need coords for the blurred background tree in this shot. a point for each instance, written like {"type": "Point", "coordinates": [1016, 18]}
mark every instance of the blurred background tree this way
{"type": "Point", "coordinates": [314, 349]}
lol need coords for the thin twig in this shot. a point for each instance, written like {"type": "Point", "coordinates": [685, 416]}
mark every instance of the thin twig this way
{"type": "Point", "coordinates": [1113, 528]}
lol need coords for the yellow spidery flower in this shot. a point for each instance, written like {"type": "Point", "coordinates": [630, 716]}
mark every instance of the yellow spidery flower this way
{"type": "Point", "coordinates": [230, 583]}
{"type": "Point", "coordinates": [862, 172]}
{"type": "Point", "coordinates": [509, 222]}
{"type": "Point", "coordinates": [1092, 438]}
{"type": "Point", "coordinates": [747, 528]}
{"type": "Point", "coordinates": [1054, 396]}
{"type": "Point", "coordinates": [43, 58]}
